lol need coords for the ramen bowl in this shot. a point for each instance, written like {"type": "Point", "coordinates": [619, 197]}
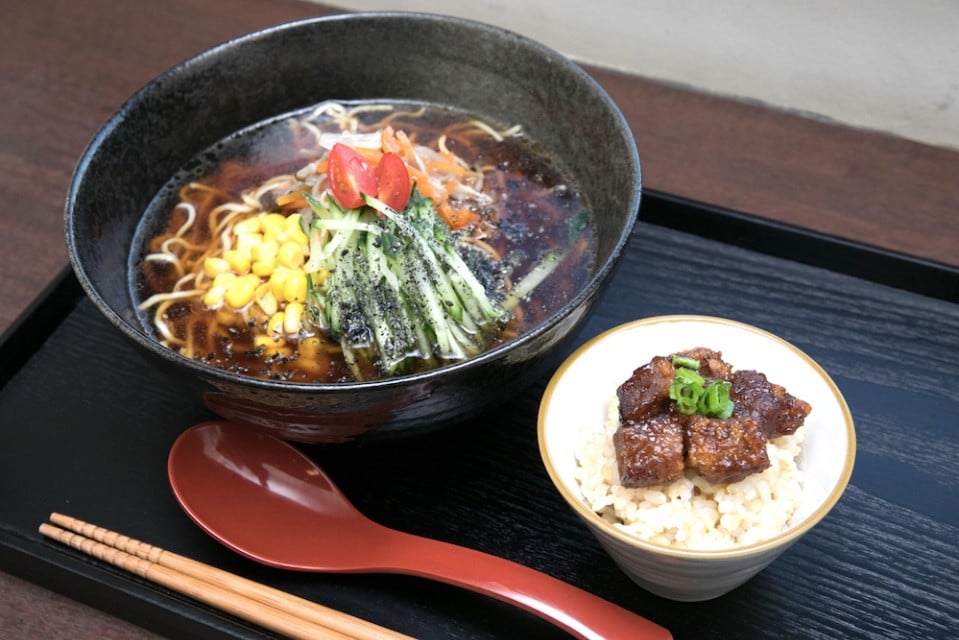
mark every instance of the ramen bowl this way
{"type": "Point", "coordinates": [666, 544]}
{"type": "Point", "coordinates": [404, 57]}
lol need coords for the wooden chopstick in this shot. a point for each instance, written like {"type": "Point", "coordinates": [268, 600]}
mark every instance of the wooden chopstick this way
{"type": "Point", "coordinates": [268, 607]}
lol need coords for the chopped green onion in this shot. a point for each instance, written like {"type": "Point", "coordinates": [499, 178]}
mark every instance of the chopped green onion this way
{"type": "Point", "coordinates": [715, 400]}
{"type": "Point", "coordinates": [686, 397]}
{"type": "Point", "coordinates": [683, 361]}
{"type": "Point", "coordinates": [695, 394]}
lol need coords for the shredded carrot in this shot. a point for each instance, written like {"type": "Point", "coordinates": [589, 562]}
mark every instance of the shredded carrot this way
{"type": "Point", "coordinates": [293, 199]}
{"type": "Point", "coordinates": [372, 156]}
{"type": "Point", "coordinates": [457, 218]}
{"type": "Point", "coordinates": [406, 147]}
{"type": "Point", "coordinates": [446, 166]}
{"type": "Point", "coordinates": [426, 186]}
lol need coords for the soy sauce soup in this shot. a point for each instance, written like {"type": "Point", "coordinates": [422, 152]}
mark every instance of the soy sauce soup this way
{"type": "Point", "coordinates": [218, 263]}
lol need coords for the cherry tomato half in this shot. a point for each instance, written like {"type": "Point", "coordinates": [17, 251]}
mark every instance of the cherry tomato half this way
{"type": "Point", "coordinates": [350, 176]}
{"type": "Point", "coordinates": [394, 181]}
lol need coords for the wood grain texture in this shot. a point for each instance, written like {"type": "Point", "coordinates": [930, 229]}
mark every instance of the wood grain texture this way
{"type": "Point", "coordinates": [65, 66]}
{"type": "Point", "coordinates": [884, 563]}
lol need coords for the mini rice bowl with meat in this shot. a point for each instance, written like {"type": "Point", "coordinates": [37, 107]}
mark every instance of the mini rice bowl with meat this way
{"type": "Point", "coordinates": [698, 454]}
{"type": "Point", "coordinates": [685, 538]}
{"type": "Point", "coordinates": [691, 512]}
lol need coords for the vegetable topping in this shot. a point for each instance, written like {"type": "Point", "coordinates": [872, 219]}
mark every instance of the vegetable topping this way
{"type": "Point", "coordinates": [350, 176]}
{"type": "Point", "coordinates": [391, 286]}
{"type": "Point", "coordinates": [695, 394]}
{"type": "Point", "coordinates": [393, 189]}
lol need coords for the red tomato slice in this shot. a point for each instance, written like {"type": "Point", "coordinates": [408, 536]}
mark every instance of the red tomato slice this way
{"type": "Point", "coordinates": [350, 176]}
{"type": "Point", "coordinates": [394, 179]}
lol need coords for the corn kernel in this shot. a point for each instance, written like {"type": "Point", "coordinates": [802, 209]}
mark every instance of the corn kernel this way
{"type": "Point", "coordinates": [214, 297]}
{"type": "Point", "coordinates": [291, 317]}
{"type": "Point", "coordinates": [250, 225]}
{"type": "Point", "coordinates": [240, 293]}
{"type": "Point", "coordinates": [268, 341]}
{"type": "Point", "coordinates": [278, 281]}
{"type": "Point", "coordinates": [264, 268]}
{"type": "Point", "coordinates": [275, 222]}
{"type": "Point", "coordinates": [294, 232]}
{"type": "Point", "coordinates": [272, 345]}
{"type": "Point", "coordinates": [274, 231]}
{"type": "Point", "coordinates": [213, 266]}
{"type": "Point", "coordinates": [291, 255]}
{"type": "Point", "coordinates": [224, 279]}
{"type": "Point", "coordinates": [246, 241]}
{"type": "Point", "coordinates": [264, 250]}
{"type": "Point", "coordinates": [294, 289]}
{"type": "Point", "coordinates": [268, 303]}
{"type": "Point", "coordinates": [275, 325]}
{"type": "Point", "coordinates": [239, 262]}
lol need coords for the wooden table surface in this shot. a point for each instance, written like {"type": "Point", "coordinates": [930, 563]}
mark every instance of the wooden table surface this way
{"type": "Point", "coordinates": [65, 66]}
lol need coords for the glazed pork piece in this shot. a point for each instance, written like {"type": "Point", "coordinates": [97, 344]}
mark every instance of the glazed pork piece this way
{"type": "Point", "coordinates": [655, 443]}
{"type": "Point", "coordinates": [779, 412]}
{"type": "Point", "coordinates": [649, 441]}
{"type": "Point", "coordinates": [646, 392]}
{"type": "Point", "coordinates": [725, 450]}
{"type": "Point", "coordinates": [711, 363]}
{"type": "Point", "coordinates": [650, 451]}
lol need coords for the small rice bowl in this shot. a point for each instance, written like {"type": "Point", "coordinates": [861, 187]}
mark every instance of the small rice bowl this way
{"type": "Point", "coordinates": [575, 426]}
{"type": "Point", "coordinates": [692, 513]}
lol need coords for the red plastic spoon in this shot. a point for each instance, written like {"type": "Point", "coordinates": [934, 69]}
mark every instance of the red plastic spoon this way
{"type": "Point", "coordinates": [264, 499]}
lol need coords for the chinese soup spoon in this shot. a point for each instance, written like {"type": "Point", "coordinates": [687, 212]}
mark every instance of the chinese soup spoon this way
{"type": "Point", "coordinates": [267, 501]}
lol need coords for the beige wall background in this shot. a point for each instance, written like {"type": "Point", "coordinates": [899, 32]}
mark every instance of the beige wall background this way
{"type": "Point", "coordinates": [888, 65]}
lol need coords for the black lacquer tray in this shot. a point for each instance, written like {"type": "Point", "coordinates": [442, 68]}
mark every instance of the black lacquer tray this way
{"type": "Point", "coordinates": [85, 428]}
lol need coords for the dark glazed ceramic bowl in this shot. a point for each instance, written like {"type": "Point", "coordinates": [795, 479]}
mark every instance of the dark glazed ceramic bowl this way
{"type": "Point", "coordinates": [482, 69]}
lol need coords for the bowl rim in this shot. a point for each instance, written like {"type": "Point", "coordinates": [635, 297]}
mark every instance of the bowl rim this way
{"type": "Point", "coordinates": [593, 284]}
{"type": "Point", "coordinates": [779, 540]}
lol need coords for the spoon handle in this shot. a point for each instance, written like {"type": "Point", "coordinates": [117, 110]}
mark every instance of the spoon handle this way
{"type": "Point", "coordinates": [579, 612]}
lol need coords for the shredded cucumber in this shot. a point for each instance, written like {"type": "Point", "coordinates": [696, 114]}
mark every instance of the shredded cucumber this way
{"type": "Point", "coordinates": [392, 288]}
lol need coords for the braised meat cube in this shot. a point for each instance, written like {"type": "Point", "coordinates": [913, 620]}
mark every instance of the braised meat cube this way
{"type": "Point", "coordinates": [650, 451]}
{"type": "Point", "coordinates": [658, 438]}
{"type": "Point", "coordinates": [725, 450]}
{"type": "Point", "coordinates": [711, 363]}
{"type": "Point", "coordinates": [646, 392]}
{"type": "Point", "coordinates": [779, 412]}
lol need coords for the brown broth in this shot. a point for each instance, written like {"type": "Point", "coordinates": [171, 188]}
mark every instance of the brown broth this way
{"type": "Point", "coordinates": [534, 205]}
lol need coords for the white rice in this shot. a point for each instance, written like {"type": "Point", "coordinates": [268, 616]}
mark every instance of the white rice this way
{"type": "Point", "coordinates": [692, 513]}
